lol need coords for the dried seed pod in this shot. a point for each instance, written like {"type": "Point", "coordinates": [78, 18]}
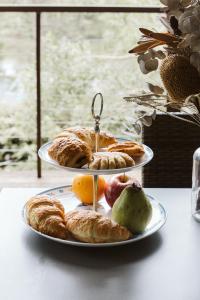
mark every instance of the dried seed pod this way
{"type": "Point", "coordinates": [195, 43]}
{"type": "Point", "coordinates": [195, 60]}
{"type": "Point", "coordinates": [144, 57]}
{"type": "Point", "coordinates": [179, 77]}
{"type": "Point", "coordinates": [155, 89]}
{"type": "Point", "coordinates": [160, 54]}
{"type": "Point", "coordinates": [148, 66]}
{"type": "Point", "coordinates": [188, 22]}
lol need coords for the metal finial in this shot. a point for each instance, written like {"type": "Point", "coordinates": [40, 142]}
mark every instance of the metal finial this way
{"type": "Point", "coordinates": [97, 117]}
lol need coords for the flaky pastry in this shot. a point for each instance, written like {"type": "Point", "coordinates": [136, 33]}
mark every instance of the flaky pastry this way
{"type": "Point", "coordinates": [88, 136]}
{"type": "Point", "coordinates": [110, 160]}
{"type": "Point", "coordinates": [91, 227]}
{"type": "Point", "coordinates": [133, 149]}
{"type": "Point", "coordinates": [47, 216]}
{"type": "Point", "coordinates": [73, 147]}
{"type": "Point", "coordinates": [70, 152]}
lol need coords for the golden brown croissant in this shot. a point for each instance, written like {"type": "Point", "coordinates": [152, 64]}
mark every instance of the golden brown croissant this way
{"type": "Point", "coordinates": [90, 226]}
{"type": "Point", "coordinates": [88, 136]}
{"type": "Point", "coordinates": [70, 152]}
{"type": "Point", "coordinates": [73, 147]}
{"type": "Point", "coordinates": [47, 216]}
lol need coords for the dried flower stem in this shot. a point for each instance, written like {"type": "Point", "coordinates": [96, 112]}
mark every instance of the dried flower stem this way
{"type": "Point", "coordinates": [193, 116]}
{"type": "Point", "coordinates": [155, 106]}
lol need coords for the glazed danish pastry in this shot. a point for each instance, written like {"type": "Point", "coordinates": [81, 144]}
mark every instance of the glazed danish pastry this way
{"type": "Point", "coordinates": [133, 149]}
{"type": "Point", "coordinates": [91, 227]}
{"type": "Point", "coordinates": [110, 160]}
{"type": "Point", "coordinates": [47, 216]}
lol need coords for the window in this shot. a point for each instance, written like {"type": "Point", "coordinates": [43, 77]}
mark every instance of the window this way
{"type": "Point", "coordinates": [81, 54]}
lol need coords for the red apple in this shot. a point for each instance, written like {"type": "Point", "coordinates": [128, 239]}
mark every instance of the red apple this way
{"type": "Point", "coordinates": [115, 186]}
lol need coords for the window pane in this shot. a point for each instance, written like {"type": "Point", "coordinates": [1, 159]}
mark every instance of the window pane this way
{"type": "Point", "coordinates": [88, 53]}
{"type": "Point", "coordinates": [81, 54]}
{"type": "Point", "coordinates": [17, 88]}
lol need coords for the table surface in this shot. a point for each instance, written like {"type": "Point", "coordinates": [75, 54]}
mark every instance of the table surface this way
{"type": "Point", "coordinates": [164, 266]}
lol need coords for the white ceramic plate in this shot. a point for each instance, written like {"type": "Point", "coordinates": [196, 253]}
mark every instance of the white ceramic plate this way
{"type": "Point", "coordinates": [148, 155]}
{"type": "Point", "coordinates": [70, 202]}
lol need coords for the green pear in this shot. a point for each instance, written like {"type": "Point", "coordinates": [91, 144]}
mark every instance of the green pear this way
{"type": "Point", "coordinates": [132, 209]}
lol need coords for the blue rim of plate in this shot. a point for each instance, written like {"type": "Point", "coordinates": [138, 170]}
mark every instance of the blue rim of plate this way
{"type": "Point", "coordinates": [145, 234]}
{"type": "Point", "coordinates": [43, 154]}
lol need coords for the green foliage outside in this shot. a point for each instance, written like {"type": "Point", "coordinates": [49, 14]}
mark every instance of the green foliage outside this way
{"type": "Point", "coordinates": [81, 54]}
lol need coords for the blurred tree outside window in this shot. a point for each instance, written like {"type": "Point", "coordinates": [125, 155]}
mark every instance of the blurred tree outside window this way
{"type": "Point", "coordinates": [82, 53]}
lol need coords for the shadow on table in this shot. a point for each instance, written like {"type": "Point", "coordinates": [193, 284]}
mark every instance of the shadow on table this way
{"type": "Point", "coordinates": [91, 257]}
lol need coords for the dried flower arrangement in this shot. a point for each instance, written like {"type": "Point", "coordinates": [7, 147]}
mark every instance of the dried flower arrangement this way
{"type": "Point", "coordinates": [177, 55]}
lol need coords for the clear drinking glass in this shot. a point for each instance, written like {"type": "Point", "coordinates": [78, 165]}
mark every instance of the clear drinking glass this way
{"type": "Point", "coordinates": [196, 185]}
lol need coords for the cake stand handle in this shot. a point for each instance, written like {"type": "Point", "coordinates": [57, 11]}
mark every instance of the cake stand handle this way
{"type": "Point", "coordinates": [95, 191]}
{"type": "Point", "coordinates": [97, 118]}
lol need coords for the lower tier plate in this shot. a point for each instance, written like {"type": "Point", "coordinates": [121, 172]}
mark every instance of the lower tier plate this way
{"type": "Point", "coordinates": [70, 202]}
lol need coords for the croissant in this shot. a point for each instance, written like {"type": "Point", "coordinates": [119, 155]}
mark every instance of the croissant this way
{"type": "Point", "coordinates": [47, 216]}
{"type": "Point", "coordinates": [70, 152]}
{"type": "Point", "coordinates": [90, 226]}
{"type": "Point", "coordinates": [88, 136]}
{"type": "Point", "coordinates": [73, 147]}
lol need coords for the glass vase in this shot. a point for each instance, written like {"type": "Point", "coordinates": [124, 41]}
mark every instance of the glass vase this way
{"type": "Point", "coordinates": [196, 185]}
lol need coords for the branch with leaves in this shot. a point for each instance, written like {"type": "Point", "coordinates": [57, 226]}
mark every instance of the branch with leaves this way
{"type": "Point", "coordinates": [182, 22]}
{"type": "Point", "coordinates": [155, 101]}
{"type": "Point", "coordinates": [179, 50]}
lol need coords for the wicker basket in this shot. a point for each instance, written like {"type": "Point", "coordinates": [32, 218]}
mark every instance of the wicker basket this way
{"type": "Point", "coordinates": [173, 143]}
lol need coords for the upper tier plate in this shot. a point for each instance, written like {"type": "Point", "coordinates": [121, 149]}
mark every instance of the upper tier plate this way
{"type": "Point", "coordinates": [43, 154]}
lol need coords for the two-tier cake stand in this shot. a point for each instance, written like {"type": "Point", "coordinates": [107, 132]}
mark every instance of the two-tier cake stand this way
{"type": "Point", "coordinates": [68, 199]}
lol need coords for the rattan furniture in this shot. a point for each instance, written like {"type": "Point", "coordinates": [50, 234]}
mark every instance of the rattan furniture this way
{"type": "Point", "coordinates": [173, 143]}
